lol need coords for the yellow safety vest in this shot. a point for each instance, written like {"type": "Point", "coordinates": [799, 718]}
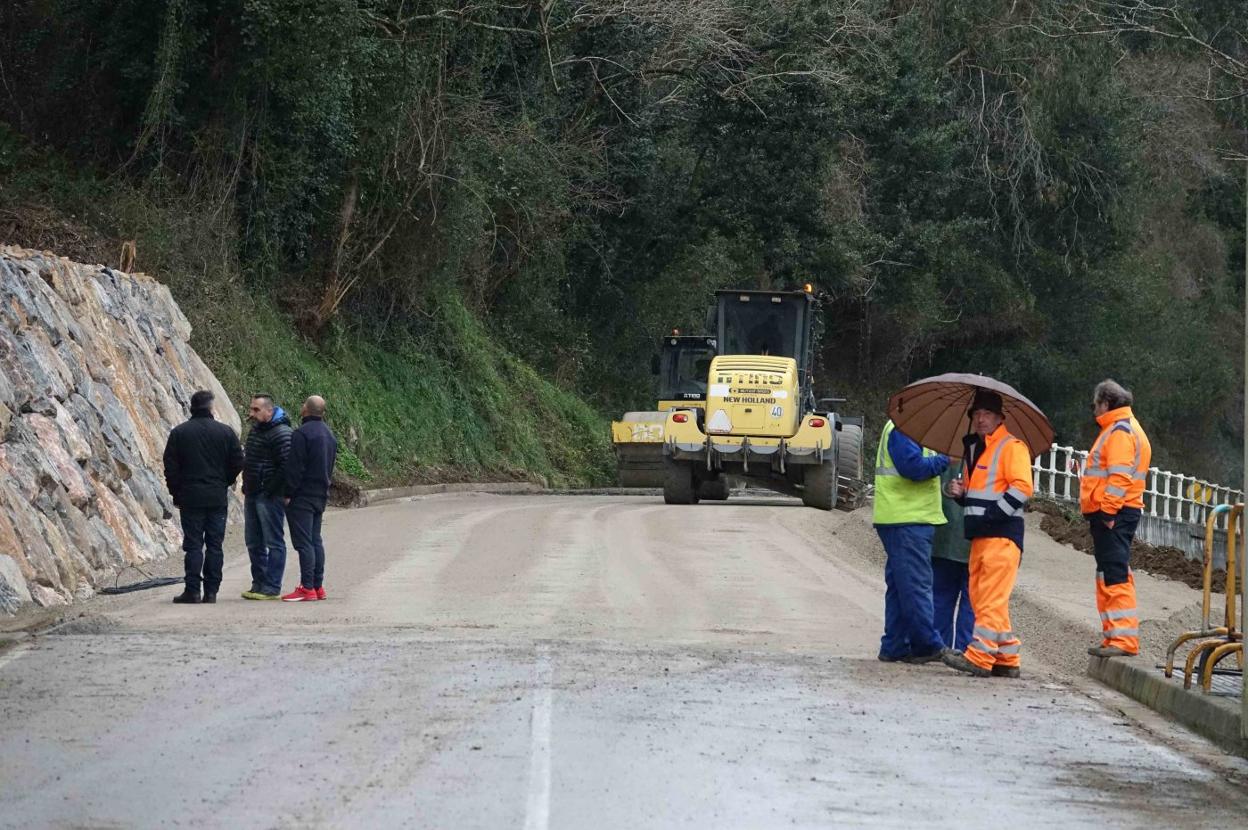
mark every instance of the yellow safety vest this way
{"type": "Point", "coordinates": [900, 501]}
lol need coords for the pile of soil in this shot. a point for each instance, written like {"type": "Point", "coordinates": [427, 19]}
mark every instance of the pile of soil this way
{"type": "Point", "coordinates": [1070, 528]}
{"type": "Point", "coordinates": [345, 492]}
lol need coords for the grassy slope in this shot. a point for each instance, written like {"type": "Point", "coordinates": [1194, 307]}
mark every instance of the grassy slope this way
{"type": "Point", "coordinates": [410, 414]}
{"type": "Point", "coordinates": [452, 406]}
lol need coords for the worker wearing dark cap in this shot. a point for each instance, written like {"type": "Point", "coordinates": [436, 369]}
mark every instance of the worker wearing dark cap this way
{"type": "Point", "coordinates": [997, 486]}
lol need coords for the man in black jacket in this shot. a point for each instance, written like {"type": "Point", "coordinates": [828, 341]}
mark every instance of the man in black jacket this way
{"type": "Point", "coordinates": [309, 469]}
{"type": "Point", "coordinates": [264, 484]}
{"type": "Point", "coordinates": [202, 460]}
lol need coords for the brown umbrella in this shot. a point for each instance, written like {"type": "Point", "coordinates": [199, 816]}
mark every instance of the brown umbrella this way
{"type": "Point", "coordinates": [934, 411]}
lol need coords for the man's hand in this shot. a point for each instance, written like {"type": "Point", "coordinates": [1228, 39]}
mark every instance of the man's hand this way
{"type": "Point", "coordinates": [287, 501]}
{"type": "Point", "coordinates": [955, 488]}
{"type": "Point", "coordinates": [1109, 523]}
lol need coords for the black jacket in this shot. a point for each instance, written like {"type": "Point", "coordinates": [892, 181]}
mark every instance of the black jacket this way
{"type": "Point", "coordinates": [268, 444]}
{"type": "Point", "coordinates": [202, 459]}
{"type": "Point", "coordinates": [310, 466]}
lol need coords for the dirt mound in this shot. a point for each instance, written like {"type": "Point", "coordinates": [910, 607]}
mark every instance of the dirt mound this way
{"type": "Point", "coordinates": [344, 492]}
{"type": "Point", "coordinates": [1070, 528]}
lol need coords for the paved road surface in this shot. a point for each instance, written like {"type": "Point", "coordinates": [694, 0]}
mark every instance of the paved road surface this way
{"type": "Point", "coordinates": [566, 662]}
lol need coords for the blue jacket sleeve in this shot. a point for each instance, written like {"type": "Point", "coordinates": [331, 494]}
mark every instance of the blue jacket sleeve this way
{"type": "Point", "coordinates": [909, 460]}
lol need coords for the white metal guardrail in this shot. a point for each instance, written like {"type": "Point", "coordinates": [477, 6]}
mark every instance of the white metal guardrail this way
{"type": "Point", "coordinates": [1169, 498]}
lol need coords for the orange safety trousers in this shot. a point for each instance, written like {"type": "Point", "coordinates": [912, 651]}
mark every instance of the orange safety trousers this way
{"type": "Point", "coordinates": [1120, 621]}
{"type": "Point", "coordinates": [993, 571]}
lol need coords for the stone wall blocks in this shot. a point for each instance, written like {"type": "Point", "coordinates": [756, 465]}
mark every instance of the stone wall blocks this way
{"type": "Point", "coordinates": [13, 590]}
{"type": "Point", "coordinates": [47, 597]}
{"type": "Point", "coordinates": [95, 368]}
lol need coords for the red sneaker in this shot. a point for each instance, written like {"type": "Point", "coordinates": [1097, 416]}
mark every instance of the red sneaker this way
{"type": "Point", "coordinates": [320, 593]}
{"type": "Point", "coordinates": [300, 594]}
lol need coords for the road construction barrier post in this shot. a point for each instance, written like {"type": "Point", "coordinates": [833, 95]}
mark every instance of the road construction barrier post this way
{"type": "Point", "coordinates": [1207, 629]}
{"type": "Point", "coordinates": [1234, 643]}
{"type": "Point", "coordinates": [1222, 640]}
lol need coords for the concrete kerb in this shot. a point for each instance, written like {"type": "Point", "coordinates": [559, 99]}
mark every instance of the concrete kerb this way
{"type": "Point", "coordinates": [369, 497]}
{"type": "Point", "coordinates": [505, 488]}
{"type": "Point", "coordinates": [1218, 719]}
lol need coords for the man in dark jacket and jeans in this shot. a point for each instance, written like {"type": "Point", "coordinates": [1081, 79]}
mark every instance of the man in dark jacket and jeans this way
{"type": "Point", "coordinates": [202, 460]}
{"type": "Point", "coordinates": [309, 469]}
{"type": "Point", "coordinates": [264, 484]}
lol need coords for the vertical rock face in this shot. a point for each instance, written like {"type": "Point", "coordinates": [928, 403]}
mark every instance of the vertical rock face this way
{"type": "Point", "coordinates": [95, 369]}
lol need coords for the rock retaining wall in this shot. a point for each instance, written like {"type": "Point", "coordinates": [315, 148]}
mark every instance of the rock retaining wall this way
{"type": "Point", "coordinates": [95, 368]}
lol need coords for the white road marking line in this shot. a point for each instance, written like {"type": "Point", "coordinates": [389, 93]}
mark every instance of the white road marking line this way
{"type": "Point", "coordinates": [537, 809]}
{"type": "Point", "coordinates": [12, 654]}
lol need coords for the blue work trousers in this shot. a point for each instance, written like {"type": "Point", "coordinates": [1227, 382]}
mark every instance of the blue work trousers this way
{"type": "Point", "coordinates": [264, 518]}
{"type": "Point", "coordinates": [908, 625]}
{"type": "Point", "coordinates": [951, 602]}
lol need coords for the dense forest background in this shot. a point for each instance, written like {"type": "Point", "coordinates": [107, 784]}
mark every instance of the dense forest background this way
{"type": "Point", "coordinates": [467, 223]}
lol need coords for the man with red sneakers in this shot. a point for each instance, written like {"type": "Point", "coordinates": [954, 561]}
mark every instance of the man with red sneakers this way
{"type": "Point", "coordinates": [309, 469]}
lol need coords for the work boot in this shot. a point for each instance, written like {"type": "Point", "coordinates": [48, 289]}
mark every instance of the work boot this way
{"type": "Point", "coordinates": [187, 597]}
{"type": "Point", "coordinates": [918, 659]}
{"type": "Point", "coordinates": [957, 660]}
{"type": "Point", "coordinates": [884, 658]}
{"type": "Point", "coordinates": [1109, 651]}
{"type": "Point", "coordinates": [209, 599]}
{"type": "Point", "coordinates": [1012, 672]}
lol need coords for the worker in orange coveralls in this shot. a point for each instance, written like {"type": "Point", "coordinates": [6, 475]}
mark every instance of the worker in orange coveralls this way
{"type": "Point", "coordinates": [1111, 497]}
{"type": "Point", "coordinates": [997, 487]}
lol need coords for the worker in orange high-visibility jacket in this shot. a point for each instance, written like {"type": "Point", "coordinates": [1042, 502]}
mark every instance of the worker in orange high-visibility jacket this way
{"type": "Point", "coordinates": [997, 487]}
{"type": "Point", "coordinates": [1111, 497]}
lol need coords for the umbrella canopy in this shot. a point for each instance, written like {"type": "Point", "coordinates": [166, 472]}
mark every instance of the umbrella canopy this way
{"type": "Point", "coordinates": [934, 411]}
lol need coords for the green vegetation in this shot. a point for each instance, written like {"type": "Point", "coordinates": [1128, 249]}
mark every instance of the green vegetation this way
{"type": "Point", "coordinates": [460, 219]}
{"type": "Point", "coordinates": [456, 406]}
{"type": "Point", "coordinates": [443, 402]}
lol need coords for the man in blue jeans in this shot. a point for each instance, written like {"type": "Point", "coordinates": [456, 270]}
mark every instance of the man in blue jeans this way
{"type": "Point", "coordinates": [309, 472]}
{"type": "Point", "coordinates": [907, 510]}
{"type": "Point", "coordinates": [264, 484]}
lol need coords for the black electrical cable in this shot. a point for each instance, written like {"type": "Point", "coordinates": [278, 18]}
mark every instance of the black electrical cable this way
{"type": "Point", "coordinates": [155, 582]}
{"type": "Point", "coordinates": [150, 582]}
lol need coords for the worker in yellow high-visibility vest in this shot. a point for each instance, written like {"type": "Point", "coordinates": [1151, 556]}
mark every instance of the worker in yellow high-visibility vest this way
{"type": "Point", "coordinates": [907, 510]}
